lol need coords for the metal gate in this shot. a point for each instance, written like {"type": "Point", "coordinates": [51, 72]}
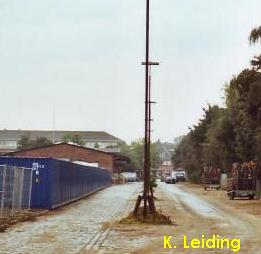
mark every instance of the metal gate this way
{"type": "Point", "coordinates": [15, 189]}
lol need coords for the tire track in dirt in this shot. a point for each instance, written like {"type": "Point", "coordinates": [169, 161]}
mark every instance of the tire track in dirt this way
{"type": "Point", "coordinates": [230, 222]}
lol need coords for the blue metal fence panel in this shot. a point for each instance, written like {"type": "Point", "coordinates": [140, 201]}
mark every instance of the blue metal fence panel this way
{"type": "Point", "coordinates": [41, 189]}
{"type": "Point", "coordinates": [57, 182]}
{"type": "Point", "coordinates": [71, 181]}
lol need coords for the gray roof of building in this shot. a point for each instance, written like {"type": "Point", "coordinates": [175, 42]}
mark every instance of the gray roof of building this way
{"type": "Point", "coordinates": [33, 134]}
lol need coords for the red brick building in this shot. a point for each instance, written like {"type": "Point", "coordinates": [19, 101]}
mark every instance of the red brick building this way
{"type": "Point", "coordinates": [72, 152]}
{"type": "Point", "coordinates": [165, 168]}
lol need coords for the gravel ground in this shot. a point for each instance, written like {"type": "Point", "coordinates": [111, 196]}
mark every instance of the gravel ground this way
{"type": "Point", "coordinates": [91, 225]}
{"type": "Point", "coordinates": [70, 229]}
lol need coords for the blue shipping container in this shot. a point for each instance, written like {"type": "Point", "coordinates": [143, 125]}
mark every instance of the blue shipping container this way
{"type": "Point", "coordinates": [56, 182]}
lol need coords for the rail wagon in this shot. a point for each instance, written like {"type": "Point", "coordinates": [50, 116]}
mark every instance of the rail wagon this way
{"type": "Point", "coordinates": [242, 181]}
{"type": "Point", "coordinates": [57, 182]}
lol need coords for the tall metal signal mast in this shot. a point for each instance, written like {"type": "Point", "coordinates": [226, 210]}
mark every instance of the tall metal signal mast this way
{"type": "Point", "coordinates": [147, 191]}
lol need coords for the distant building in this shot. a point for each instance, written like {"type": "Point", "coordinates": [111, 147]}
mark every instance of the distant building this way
{"type": "Point", "coordinates": [92, 139]}
{"type": "Point", "coordinates": [165, 168]}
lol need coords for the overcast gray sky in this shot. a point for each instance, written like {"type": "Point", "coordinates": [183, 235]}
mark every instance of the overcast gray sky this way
{"type": "Point", "coordinates": [82, 58]}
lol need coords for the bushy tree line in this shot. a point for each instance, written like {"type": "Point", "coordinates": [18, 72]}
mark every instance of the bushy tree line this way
{"type": "Point", "coordinates": [229, 134]}
{"type": "Point", "coordinates": [26, 142]}
{"type": "Point", "coordinates": [135, 151]}
{"type": "Point", "coordinates": [77, 139]}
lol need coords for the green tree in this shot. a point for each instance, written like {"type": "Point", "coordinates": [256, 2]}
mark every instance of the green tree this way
{"type": "Point", "coordinates": [255, 37]}
{"type": "Point", "coordinates": [155, 155]}
{"type": "Point", "coordinates": [137, 154]}
{"type": "Point", "coordinates": [226, 135]}
{"type": "Point", "coordinates": [96, 145]}
{"type": "Point", "coordinates": [77, 139]}
{"type": "Point", "coordinates": [193, 152]}
{"type": "Point", "coordinates": [219, 149]}
{"type": "Point", "coordinates": [244, 106]}
{"type": "Point", "coordinates": [25, 142]}
{"type": "Point", "coordinates": [135, 151]}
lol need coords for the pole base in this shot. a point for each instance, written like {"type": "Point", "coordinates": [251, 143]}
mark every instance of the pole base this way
{"type": "Point", "coordinates": [151, 209]}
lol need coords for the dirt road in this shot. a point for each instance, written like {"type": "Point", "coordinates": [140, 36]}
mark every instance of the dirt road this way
{"type": "Point", "coordinates": [199, 212]}
{"type": "Point", "coordinates": [196, 213]}
{"type": "Point", "coordinates": [91, 225]}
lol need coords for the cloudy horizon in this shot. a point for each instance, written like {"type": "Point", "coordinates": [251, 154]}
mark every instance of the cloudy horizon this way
{"type": "Point", "coordinates": [80, 62]}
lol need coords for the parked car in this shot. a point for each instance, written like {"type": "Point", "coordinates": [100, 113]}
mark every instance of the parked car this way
{"type": "Point", "coordinates": [170, 178]}
{"type": "Point", "coordinates": [180, 176]}
{"type": "Point", "coordinates": [130, 176]}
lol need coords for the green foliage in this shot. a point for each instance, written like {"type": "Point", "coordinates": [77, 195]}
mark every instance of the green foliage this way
{"type": "Point", "coordinates": [77, 139]}
{"type": "Point", "coordinates": [255, 36]}
{"type": "Point", "coordinates": [226, 135]}
{"type": "Point", "coordinates": [25, 142]}
{"type": "Point", "coordinates": [153, 183]}
{"type": "Point", "coordinates": [244, 107]}
{"type": "Point", "coordinates": [96, 145]}
{"type": "Point", "coordinates": [41, 141]}
{"type": "Point", "coordinates": [196, 149]}
{"type": "Point", "coordinates": [135, 151]}
{"type": "Point", "coordinates": [256, 62]}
